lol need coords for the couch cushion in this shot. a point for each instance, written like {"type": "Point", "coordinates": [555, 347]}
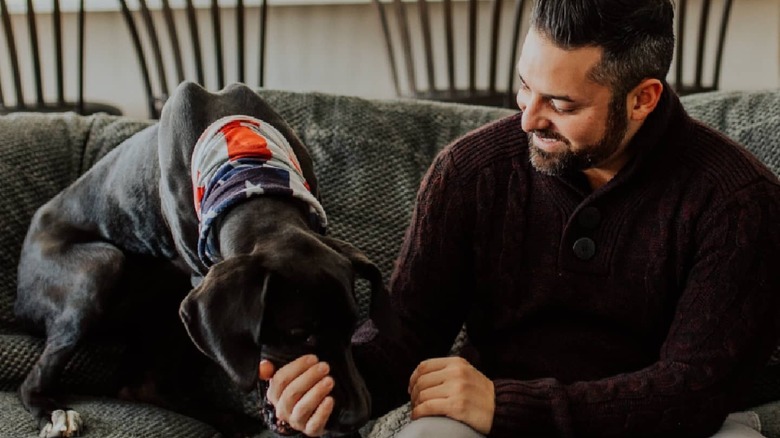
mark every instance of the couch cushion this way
{"type": "Point", "coordinates": [752, 118]}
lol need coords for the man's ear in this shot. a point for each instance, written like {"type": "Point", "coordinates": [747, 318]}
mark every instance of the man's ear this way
{"type": "Point", "coordinates": [223, 316]}
{"type": "Point", "coordinates": [644, 98]}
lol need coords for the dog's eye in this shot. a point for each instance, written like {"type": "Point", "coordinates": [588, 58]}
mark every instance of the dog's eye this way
{"type": "Point", "coordinates": [298, 333]}
{"type": "Point", "coordinates": [302, 336]}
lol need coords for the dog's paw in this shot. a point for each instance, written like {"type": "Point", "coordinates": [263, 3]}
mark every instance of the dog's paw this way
{"type": "Point", "coordinates": [62, 424]}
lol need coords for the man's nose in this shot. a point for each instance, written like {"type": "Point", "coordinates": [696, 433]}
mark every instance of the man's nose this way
{"type": "Point", "coordinates": [533, 114]}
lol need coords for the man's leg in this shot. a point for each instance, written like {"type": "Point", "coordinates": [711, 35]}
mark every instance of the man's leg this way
{"type": "Point", "coordinates": [438, 427]}
{"type": "Point", "coordinates": [740, 425]}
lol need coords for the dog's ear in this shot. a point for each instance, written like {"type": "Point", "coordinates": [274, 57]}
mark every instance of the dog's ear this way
{"type": "Point", "coordinates": [380, 311]}
{"type": "Point", "coordinates": [223, 316]}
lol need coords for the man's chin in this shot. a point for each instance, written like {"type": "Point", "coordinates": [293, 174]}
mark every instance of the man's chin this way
{"type": "Point", "coordinates": [546, 163]}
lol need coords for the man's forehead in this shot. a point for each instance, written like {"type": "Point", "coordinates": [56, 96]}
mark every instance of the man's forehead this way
{"type": "Point", "coordinates": [556, 70]}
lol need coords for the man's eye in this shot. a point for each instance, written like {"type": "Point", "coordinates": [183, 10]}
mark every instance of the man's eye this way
{"type": "Point", "coordinates": [560, 109]}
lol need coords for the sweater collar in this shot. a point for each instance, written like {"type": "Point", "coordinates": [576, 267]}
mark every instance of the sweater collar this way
{"type": "Point", "coordinates": [645, 146]}
{"type": "Point", "coordinates": [650, 141]}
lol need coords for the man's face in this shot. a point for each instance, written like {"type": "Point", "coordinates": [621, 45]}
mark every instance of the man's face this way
{"type": "Point", "coordinates": [573, 123]}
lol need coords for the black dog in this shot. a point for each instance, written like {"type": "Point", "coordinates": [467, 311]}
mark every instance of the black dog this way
{"type": "Point", "coordinates": [268, 284]}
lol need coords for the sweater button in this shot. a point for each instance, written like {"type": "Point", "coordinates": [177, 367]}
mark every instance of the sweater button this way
{"type": "Point", "coordinates": [589, 218]}
{"type": "Point", "coordinates": [584, 248]}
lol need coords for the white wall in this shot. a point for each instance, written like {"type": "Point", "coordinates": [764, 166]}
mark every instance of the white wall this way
{"type": "Point", "coordinates": [339, 48]}
{"type": "Point", "coordinates": [751, 58]}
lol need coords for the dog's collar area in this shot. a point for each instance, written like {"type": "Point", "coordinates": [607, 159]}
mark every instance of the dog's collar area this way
{"type": "Point", "coordinates": [238, 157]}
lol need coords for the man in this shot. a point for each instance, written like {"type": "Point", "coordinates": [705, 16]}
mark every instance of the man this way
{"type": "Point", "coordinates": [614, 261]}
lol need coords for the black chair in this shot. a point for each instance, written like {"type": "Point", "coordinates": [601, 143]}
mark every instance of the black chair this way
{"type": "Point", "coordinates": [703, 46]}
{"type": "Point", "coordinates": [399, 29]}
{"type": "Point", "coordinates": [167, 61]}
{"type": "Point", "coordinates": [42, 102]}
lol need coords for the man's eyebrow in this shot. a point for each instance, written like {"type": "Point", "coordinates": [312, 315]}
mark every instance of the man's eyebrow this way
{"type": "Point", "coordinates": [565, 97]}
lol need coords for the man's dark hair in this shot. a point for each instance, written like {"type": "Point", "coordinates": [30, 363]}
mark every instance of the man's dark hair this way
{"type": "Point", "coordinates": [637, 36]}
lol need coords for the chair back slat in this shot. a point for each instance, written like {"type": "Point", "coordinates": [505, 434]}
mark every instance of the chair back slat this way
{"type": "Point", "coordinates": [380, 7]}
{"type": "Point", "coordinates": [81, 58]}
{"type": "Point", "coordinates": [240, 39]}
{"type": "Point", "coordinates": [425, 27]}
{"type": "Point", "coordinates": [185, 51]}
{"type": "Point", "coordinates": [151, 30]}
{"type": "Point", "coordinates": [495, 25]}
{"type": "Point", "coordinates": [36, 53]}
{"type": "Point", "coordinates": [406, 43]}
{"type": "Point", "coordinates": [472, 45]}
{"type": "Point", "coordinates": [261, 56]}
{"type": "Point", "coordinates": [481, 29]}
{"type": "Point", "coordinates": [678, 51]}
{"type": "Point", "coordinates": [703, 48]}
{"type": "Point", "coordinates": [173, 34]}
{"type": "Point", "coordinates": [56, 18]}
{"type": "Point", "coordinates": [135, 37]}
{"type": "Point", "coordinates": [702, 41]}
{"type": "Point", "coordinates": [517, 20]}
{"type": "Point", "coordinates": [724, 22]}
{"type": "Point", "coordinates": [46, 75]}
{"type": "Point", "coordinates": [216, 26]}
{"type": "Point", "coordinates": [449, 38]}
{"type": "Point", "coordinates": [11, 44]}
{"type": "Point", "coordinates": [192, 20]}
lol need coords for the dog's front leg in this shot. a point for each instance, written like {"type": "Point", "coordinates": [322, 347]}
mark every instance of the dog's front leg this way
{"type": "Point", "coordinates": [64, 282]}
{"type": "Point", "coordinates": [53, 421]}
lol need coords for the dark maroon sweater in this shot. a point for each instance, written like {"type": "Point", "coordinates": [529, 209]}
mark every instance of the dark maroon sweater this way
{"type": "Point", "coordinates": [638, 309]}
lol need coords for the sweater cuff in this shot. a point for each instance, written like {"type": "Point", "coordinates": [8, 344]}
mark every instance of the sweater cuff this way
{"type": "Point", "coordinates": [527, 408]}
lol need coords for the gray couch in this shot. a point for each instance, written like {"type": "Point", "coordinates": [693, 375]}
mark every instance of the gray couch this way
{"type": "Point", "coordinates": [369, 156]}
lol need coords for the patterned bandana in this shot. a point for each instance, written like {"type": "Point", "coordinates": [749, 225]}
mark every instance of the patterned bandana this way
{"type": "Point", "coordinates": [238, 157]}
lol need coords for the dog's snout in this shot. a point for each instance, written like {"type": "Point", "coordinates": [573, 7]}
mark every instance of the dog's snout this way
{"type": "Point", "coordinates": [353, 406]}
{"type": "Point", "coordinates": [347, 421]}
{"type": "Point", "coordinates": [352, 420]}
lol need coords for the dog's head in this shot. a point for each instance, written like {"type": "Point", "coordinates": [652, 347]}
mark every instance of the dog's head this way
{"type": "Point", "coordinates": [285, 299]}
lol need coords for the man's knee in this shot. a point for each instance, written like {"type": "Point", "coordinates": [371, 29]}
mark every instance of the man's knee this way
{"type": "Point", "coordinates": [740, 425]}
{"type": "Point", "coordinates": [437, 426]}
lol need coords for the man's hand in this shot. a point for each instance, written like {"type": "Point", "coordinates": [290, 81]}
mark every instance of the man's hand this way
{"type": "Point", "coordinates": [300, 392]}
{"type": "Point", "coordinates": [451, 387]}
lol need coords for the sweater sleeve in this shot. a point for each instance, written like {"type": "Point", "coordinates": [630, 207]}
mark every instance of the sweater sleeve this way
{"type": "Point", "coordinates": [428, 289]}
{"type": "Point", "coordinates": [724, 328]}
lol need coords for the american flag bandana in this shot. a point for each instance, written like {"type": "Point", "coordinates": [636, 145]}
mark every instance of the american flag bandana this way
{"type": "Point", "coordinates": [236, 158]}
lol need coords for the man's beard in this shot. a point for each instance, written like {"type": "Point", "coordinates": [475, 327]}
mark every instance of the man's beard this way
{"type": "Point", "coordinates": [558, 163]}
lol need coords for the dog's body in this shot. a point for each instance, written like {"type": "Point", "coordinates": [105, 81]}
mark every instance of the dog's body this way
{"type": "Point", "coordinates": [280, 290]}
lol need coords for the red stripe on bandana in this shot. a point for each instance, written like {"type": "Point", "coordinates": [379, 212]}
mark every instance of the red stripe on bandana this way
{"type": "Point", "coordinates": [294, 161]}
{"type": "Point", "coordinates": [243, 142]}
{"type": "Point", "coordinates": [199, 191]}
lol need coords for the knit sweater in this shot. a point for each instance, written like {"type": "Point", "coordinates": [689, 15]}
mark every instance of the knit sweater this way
{"type": "Point", "coordinates": [638, 309]}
